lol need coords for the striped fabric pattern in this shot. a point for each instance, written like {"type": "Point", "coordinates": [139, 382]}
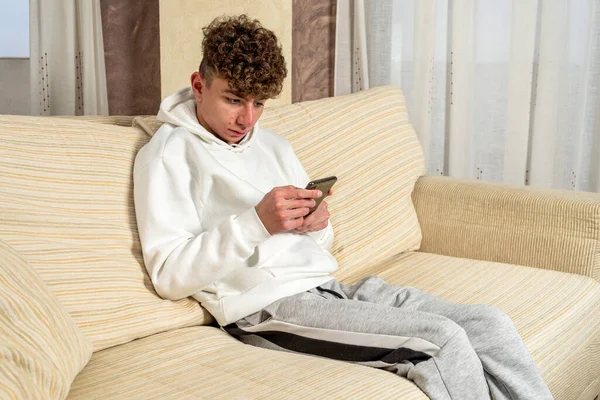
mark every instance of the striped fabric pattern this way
{"type": "Point", "coordinates": [67, 208]}
{"type": "Point", "coordinates": [119, 120]}
{"type": "Point", "coordinates": [557, 314]}
{"type": "Point", "coordinates": [41, 348]}
{"type": "Point", "coordinates": [550, 229]}
{"type": "Point", "coordinates": [148, 124]}
{"type": "Point", "coordinates": [206, 363]}
{"type": "Point", "coordinates": [367, 141]}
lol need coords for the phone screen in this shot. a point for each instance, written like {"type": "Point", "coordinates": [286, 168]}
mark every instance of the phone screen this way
{"type": "Point", "coordinates": [323, 185]}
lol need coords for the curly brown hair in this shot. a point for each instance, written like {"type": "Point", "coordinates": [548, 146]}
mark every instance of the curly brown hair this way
{"type": "Point", "coordinates": [244, 53]}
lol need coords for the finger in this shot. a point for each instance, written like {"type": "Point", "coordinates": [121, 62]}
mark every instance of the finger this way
{"type": "Point", "coordinates": [299, 203]}
{"type": "Point", "coordinates": [294, 213]}
{"type": "Point", "coordinates": [292, 224]}
{"type": "Point", "coordinates": [292, 192]}
{"type": "Point", "coordinates": [308, 220]}
{"type": "Point", "coordinates": [312, 227]}
{"type": "Point", "coordinates": [307, 194]}
{"type": "Point", "coordinates": [306, 223]}
{"type": "Point", "coordinates": [315, 221]}
{"type": "Point", "coordinates": [330, 193]}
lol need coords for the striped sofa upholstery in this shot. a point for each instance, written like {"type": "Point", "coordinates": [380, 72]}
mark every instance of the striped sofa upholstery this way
{"type": "Point", "coordinates": [67, 208]}
{"type": "Point", "coordinates": [367, 141]}
{"type": "Point", "coordinates": [544, 228]}
{"type": "Point", "coordinates": [65, 197]}
{"type": "Point", "coordinates": [41, 348]}
{"type": "Point", "coordinates": [557, 314]}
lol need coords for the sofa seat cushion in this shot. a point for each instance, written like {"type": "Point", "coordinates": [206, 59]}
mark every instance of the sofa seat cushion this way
{"type": "Point", "coordinates": [41, 348]}
{"type": "Point", "coordinates": [67, 208]}
{"type": "Point", "coordinates": [556, 313]}
{"type": "Point", "coordinates": [206, 363]}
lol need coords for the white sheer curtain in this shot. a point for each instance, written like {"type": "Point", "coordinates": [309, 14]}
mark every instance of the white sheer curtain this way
{"type": "Point", "coordinates": [498, 90]}
{"type": "Point", "coordinates": [67, 58]}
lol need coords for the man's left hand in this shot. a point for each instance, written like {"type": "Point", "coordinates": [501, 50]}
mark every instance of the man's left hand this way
{"type": "Point", "coordinates": [317, 220]}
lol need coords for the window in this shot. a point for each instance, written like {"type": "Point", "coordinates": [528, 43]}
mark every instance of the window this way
{"type": "Point", "coordinates": [14, 28]}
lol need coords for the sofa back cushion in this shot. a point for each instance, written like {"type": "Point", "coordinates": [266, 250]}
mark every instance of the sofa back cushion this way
{"type": "Point", "coordinates": [66, 202]}
{"type": "Point", "coordinates": [41, 348]}
{"type": "Point", "coordinates": [366, 139]}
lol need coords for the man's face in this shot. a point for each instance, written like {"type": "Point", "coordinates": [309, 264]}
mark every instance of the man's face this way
{"type": "Point", "coordinates": [222, 112]}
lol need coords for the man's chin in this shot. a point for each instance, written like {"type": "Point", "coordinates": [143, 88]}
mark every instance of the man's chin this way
{"type": "Point", "coordinates": [233, 136]}
{"type": "Point", "coordinates": [230, 139]}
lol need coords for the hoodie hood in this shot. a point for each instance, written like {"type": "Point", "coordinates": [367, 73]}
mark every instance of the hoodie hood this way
{"type": "Point", "coordinates": [179, 109]}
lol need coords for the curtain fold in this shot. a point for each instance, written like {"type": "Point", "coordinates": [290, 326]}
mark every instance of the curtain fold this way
{"type": "Point", "coordinates": [462, 135]}
{"type": "Point", "coordinates": [497, 90]}
{"type": "Point", "coordinates": [425, 13]}
{"type": "Point", "coordinates": [552, 79]}
{"type": "Point", "coordinates": [67, 58]}
{"type": "Point", "coordinates": [523, 41]}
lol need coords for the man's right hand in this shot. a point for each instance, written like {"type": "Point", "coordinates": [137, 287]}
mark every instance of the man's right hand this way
{"type": "Point", "coordinates": [284, 208]}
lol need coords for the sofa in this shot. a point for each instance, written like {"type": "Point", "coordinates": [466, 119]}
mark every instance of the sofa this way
{"type": "Point", "coordinates": [79, 317]}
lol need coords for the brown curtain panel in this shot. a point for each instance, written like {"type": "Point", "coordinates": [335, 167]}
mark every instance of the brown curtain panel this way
{"type": "Point", "coordinates": [313, 49]}
{"type": "Point", "coordinates": [132, 56]}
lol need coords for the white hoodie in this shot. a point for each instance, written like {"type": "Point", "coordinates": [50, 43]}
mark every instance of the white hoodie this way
{"type": "Point", "coordinates": [200, 234]}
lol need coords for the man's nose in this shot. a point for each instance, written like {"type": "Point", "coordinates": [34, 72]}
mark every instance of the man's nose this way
{"type": "Point", "coordinates": [246, 116]}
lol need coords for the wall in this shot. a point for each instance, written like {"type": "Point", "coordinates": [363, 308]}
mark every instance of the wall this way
{"type": "Point", "coordinates": [181, 23]}
{"type": "Point", "coordinates": [14, 86]}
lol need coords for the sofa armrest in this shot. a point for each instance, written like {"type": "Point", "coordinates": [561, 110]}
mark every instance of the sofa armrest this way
{"type": "Point", "coordinates": [544, 228]}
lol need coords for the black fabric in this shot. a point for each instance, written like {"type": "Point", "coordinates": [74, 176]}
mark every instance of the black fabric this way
{"type": "Point", "coordinates": [333, 350]}
{"type": "Point", "coordinates": [333, 292]}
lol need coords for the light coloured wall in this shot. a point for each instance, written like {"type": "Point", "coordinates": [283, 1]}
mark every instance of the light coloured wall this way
{"type": "Point", "coordinates": [14, 86]}
{"type": "Point", "coordinates": [181, 23]}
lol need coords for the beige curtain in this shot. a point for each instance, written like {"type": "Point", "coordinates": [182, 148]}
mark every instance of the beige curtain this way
{"type": "Point", "coordinates": [67, 58]}
{"type": "Point", "coordinates": [498, 90]}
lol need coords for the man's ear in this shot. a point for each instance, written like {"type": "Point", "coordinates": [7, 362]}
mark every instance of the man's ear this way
{"type": "Point", "coordinates": [198, 85]}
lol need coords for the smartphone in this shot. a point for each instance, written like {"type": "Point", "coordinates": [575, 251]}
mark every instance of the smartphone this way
{"type": "Point", "coordinates": [323, 185]}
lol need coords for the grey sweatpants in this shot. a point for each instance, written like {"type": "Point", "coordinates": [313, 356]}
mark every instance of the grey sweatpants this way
{"type": "Point", "coordinates": [451, 351]}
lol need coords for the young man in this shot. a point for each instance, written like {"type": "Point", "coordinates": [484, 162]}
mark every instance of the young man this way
{"type": "Point", "coordinates": [222, 217]}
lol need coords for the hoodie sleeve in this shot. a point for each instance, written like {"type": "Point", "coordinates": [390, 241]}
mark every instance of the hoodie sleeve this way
{"type": "Point", "coordinates": [324, 237]}
{"type": "Point", "coordinates": [181, 257]}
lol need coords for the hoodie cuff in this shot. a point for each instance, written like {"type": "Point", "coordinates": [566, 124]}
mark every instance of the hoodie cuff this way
{"type": "Point", "coordinates": [252, 227]}
{"type": "Point", "coordinates": [324, 237]}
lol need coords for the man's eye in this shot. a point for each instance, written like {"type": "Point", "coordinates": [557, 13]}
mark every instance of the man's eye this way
{"type": "Point", "coordinates": [258, 104]}
{"type": "Point", "coordinates": [232, 100]}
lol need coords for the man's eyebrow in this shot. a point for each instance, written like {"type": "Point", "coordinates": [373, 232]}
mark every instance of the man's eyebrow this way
{"type": "Point", "coordinates": [238, 94]}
